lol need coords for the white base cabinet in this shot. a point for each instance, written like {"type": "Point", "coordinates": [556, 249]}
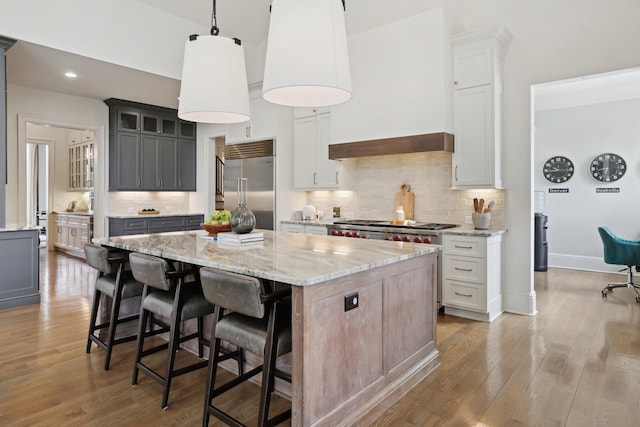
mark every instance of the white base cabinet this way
{"type": "Point", "coordinates": [71, 232]}
{"type": "Point", "coordinates": [304, 228]}
{"type": "Point", "coordinates": [471, 276]}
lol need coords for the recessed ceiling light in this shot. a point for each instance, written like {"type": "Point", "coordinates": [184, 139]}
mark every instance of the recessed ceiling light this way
{"type": "Point", "coordinates": [71, 74]}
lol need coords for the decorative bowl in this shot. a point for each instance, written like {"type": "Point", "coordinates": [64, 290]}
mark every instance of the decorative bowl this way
{"type": "Point", "coordinates": [214, 229]}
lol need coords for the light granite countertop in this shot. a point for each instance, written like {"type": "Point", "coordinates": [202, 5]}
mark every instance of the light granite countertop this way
{"type": "Point", "coordinates": [88, 213]}
{"type": "Point", "coordinates": [305, 222]}
{"type": "Point", "coordinates": [160, 215]}
{"type": "Point", "coordinates": [470, 231]}
{"type": "Point", "coordinates": [297, 259]}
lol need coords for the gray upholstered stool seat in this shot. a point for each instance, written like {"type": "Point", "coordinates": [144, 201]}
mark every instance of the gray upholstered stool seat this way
{"type": "Point", "coordinates": [259, 321]}
{"type": "Point", "coordinates": [115, 282]}
{"type": "Point", "coordinates": [168, 295]}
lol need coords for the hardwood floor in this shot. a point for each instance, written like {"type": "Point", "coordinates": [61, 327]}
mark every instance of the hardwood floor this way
{"type": "Point", "coordinates": [576, 363]}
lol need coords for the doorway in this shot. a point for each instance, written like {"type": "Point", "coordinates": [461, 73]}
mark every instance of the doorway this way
{"type": "Point", "coordinates": [574, 122]}
{"type": "Point", "coordinates": [37, 169]}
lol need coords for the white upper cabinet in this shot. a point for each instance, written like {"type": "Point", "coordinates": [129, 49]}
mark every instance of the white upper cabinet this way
{"type": "Point", "coordinates": [263, 123]}
{"type": "Point", "coordinates": [477, 108]}
{"type": "Point", "coordinates": [472, 66]}
{"type": "Point", "coordinates": [312, 169]}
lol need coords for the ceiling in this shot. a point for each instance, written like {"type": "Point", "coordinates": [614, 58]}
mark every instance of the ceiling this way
{"type": "Point", "coordinates": [43, 68]}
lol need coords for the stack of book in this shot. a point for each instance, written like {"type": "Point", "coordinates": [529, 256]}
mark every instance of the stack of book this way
{"type": "Point", "coordinates": [248, 239]}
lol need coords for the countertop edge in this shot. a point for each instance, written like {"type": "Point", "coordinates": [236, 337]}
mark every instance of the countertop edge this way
{"type": "Point", "coordinates": [25, 228]}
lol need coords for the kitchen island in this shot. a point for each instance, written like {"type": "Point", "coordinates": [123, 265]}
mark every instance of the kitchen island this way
{"type": "Point", "coordinates": [19, 264]}
{"type": "Point", "coordinates": [351, 358]}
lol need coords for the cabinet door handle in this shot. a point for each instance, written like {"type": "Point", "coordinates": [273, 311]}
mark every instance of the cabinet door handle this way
{"type": "Point", "coordinates": [455, 83]}
{"type": "Point", "coordinates": [337, 178]}
{"type": "Point", "coordinates": [463, 295]}
{"type": "Point", "coordinates": [462, 269]}
{"type": "Point", "coordinates": [462, 247]}
{"type": "Point", "coordinates": [456, 173]}
{"type": "Point", "coordinates": [314, 178]}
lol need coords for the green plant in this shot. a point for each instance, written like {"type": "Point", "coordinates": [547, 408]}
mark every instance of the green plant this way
{"type": "Point", "coordinates": [219, 217]}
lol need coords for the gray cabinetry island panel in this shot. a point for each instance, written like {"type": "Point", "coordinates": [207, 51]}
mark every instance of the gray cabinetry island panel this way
{"type": "Point", "coordinates": [19, 277]}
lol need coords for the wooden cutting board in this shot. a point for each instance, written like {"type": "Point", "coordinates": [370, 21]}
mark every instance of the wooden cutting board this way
{"type": "Point", "coordinates": [404, 198]}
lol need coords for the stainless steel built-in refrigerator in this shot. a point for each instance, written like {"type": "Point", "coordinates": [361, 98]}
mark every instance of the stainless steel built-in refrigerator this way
{"type": "Point", "coordinates": [254, 161]}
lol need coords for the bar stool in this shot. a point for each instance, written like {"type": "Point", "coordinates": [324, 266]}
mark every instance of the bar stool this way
{"type": "Point", "coordinates": [166, 294]}
{"type": "Point", "coordinates": [258, 321]}
{"type": "Point", "coordinates": [116, 283]}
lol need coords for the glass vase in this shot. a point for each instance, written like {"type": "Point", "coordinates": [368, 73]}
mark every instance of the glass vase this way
{"type": "Point", "coordinates": [242, 219]}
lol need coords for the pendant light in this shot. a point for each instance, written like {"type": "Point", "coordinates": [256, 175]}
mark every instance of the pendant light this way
{"type": "Point", "coordinates": [214, 79]}
{"type": "Point", "coordinates": [307, 63]}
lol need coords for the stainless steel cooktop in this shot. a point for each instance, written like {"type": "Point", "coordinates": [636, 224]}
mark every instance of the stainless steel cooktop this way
{"type": "Point", "coordinates": [378, 223]}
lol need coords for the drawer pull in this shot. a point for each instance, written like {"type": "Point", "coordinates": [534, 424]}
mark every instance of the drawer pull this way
{"type": "Point", "coordinates": [463, 247]}
{"type": "Point", "coordinates": [463, 295]}
{"type": "Point", "coordinates": [462, 269]}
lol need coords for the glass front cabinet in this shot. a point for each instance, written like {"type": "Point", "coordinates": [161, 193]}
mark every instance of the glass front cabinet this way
{"type": "Point", "coordinates": [82, 165]}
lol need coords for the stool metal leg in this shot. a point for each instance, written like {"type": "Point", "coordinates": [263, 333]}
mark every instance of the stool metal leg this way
{"type": "Point", "coordinates": [141, 334]}
{"type": "Point", "coordinates": [94, 317]}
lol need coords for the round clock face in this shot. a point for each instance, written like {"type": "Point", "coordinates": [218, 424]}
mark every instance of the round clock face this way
{"type": "Point", "coordinates": [558, 169]}
{"type": "Point", "coordinates": [607, 167]}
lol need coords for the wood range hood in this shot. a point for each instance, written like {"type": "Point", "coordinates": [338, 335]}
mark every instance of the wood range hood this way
{"type": "Point", "coordinates": [440, 141]}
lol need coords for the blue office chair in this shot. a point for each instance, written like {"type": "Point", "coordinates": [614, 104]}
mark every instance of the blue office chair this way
{"type": "Point", "coordinates": [621, 252]}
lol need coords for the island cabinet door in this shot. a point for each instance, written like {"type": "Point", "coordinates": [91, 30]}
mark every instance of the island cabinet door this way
{"type": "Point", "coordinates": [344, 347]}
{"type": "Point", "coordinates": [361, 339]}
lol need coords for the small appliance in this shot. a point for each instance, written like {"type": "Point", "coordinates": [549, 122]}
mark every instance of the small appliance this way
{"type": "Point", "coordinates": [308, 212]}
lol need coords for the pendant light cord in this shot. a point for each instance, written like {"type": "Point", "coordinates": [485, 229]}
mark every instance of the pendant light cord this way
{"type": "Point", "coordinates": [214, 21]}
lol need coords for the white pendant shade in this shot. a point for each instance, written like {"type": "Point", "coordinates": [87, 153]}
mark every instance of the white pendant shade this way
{"type": "Point", "coordinates": [307, 62]}
{"type": "Point", "coordinates": [214, 82]}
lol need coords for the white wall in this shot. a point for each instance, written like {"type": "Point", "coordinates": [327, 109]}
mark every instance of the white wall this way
{"type": "Point", "coordinates": [581, 133]}
{"type": "Point", "coordinates": [37, 106]}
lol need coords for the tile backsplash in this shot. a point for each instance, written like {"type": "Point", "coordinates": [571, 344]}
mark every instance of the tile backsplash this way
{"type": "Point", "coordinates": [130, 202]}
{"type": "Point", "coordinates": [377, 179]}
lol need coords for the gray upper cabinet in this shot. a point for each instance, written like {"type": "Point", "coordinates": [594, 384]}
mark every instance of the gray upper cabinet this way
{"type": "Point", "coordinates": [158, 163]}
{"type": "Point", "coordinates": [150, 149]}
{"type": "Point", "coordinates": [186, 164]}
{"type": "Point", "coordinates": [124, 161]}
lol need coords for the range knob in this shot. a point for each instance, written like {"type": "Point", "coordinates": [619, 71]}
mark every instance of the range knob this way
{"type": "Point", "coordinates": [340, 233]}
{"type": "Point", "coordinates": [347, 234]}
{"type": "Point", "coordinates": [396, 238]}
{"type": "Point", "coordinates": [355, 234]}
{"type": "Point", "coordinates": [334, 233]}
{"type": "Point", "coordinates": [387, 238]}
{"type": "Point", "coordinates": [405, 238]}
{"type": "Point", "coordinates": [364, 236]}
{"type": "Point", "coordinates": [416, 240]}
{"type": "Point", "coordinates": [426, 240]}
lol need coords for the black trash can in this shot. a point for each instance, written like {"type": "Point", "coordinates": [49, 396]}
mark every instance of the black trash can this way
{"type": "Point", "coordinates": [541, 248]}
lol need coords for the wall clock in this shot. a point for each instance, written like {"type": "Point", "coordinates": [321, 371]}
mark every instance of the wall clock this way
{"type": "Point", "coordinates": [607, 167]}
{"type": "Point", "coordinates": [558, 169]}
